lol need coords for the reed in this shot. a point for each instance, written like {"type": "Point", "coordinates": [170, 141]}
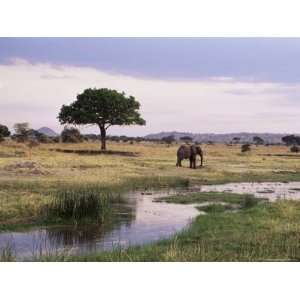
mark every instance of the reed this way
{"type": "Point", "coordinates": [81, 202]}
{"type": "Point", "coordinates": [8, 253]}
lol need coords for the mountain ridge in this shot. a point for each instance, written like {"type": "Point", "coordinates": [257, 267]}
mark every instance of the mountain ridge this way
{"type": "Point", "coordinates": [220, 137]}
{"type": "Point", "coordinates": [47, 131]}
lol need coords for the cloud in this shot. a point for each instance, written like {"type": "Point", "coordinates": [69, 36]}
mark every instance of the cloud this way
{"type": "Point", "coordinates": [56, 77]}
{"type": "Point", "coordinates": [35, 93]}
{"type": "Point", "coordinates": [244, 59]}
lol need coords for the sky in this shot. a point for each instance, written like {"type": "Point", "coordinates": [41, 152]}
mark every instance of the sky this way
{"type": "Point", "coordinates": [199, 85]}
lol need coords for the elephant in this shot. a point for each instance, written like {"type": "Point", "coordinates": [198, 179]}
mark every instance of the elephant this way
{"type": "Point", "coordinates": [189, 152]}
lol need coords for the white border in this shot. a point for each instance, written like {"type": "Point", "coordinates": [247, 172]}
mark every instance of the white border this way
{"type": "Point", "coordinates": [149, 18]}
{"type": "Point", "coordinates": [149, 281]}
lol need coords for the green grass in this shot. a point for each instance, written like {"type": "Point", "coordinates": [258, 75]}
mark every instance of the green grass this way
{"type": "Point", "coordinates": [214, 208]}
{"type": "Point", "coordinates": [265, 232]}
{"type": "Point", "coordinates": [244, 200]}
{"type": "Point", "coordinates": [81, 203]}
{"type": "Point", "coordinates": [33, 203]}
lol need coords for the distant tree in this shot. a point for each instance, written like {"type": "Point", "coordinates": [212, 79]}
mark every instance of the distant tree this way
{"type": "Point", "coordinates": [236, 140]}
{"type": "Point", "coordinates": [139, 139]}
{"type": "Point", "coordinates": [91, 137]}
{"type": "Point", "coordinates": [22, 131]}
{"type": "Point", "coordinates": [291, 140]}
{"type": "Point", "coordinates": [245, 148]}
{"type": "Point", "coordinates": [169, 139]}
{"type": "Point", "coordinates": [4, 132]}
{"type": "Point", "coordinates": [210, 143]}
{"type": "Point", "coordinates": [124, 138]}
{"type": "Point", "coordinates": [104, 108]}
{"type": "Point", "coordinates": [186, 139]}
{"type": "Point", "coordinates": [71, 135]}
{"type": "Point", "coordinates": [55, 139]}
{"type": "Point", "coordinates": [39, 137]}
{"type": "Point", "coordinates": [258, 140]}
{"type": "Point", "coordinates": [295, 149]}
{"type": "Point", "coordinates": [114, 138]}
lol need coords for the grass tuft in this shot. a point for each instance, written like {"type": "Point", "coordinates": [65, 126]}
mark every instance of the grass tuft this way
{"type": "Point", "coordinates": [82, 202]}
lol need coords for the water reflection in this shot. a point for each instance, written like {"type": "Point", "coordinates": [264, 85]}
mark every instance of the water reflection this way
{"type": "Point", "coordinates": [136, 221]}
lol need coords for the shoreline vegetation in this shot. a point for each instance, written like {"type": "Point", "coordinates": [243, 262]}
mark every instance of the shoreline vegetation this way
{"type": "Point", "coordinates": [259, 231]}
{"type": "Point", "coordinates": [29, 183]}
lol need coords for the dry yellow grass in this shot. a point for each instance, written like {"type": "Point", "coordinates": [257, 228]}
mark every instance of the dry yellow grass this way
{"type": "Point", "coordinates": [26, 178]}
{"type": "Point", "coordinates": [221, 163]}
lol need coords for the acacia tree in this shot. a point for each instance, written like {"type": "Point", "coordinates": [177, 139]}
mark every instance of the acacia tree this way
{"type": "Point", "coordinates": [22, 131]}
{"type": "Point", "coordinates": [104, 108]}
{"type": "Point", "coordinates": [258, 140]}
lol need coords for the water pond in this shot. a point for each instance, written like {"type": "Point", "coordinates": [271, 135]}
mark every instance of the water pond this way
{"type": "Point", "coordinates": [137, 221]}
{"type": "Point", "coordinates": [272, 191]}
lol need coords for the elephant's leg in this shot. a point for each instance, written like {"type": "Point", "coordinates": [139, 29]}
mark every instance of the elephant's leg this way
{"type": "Point", "coordinates": [178, 164]}
{"type": "Point", "coordinates": [191, 163]}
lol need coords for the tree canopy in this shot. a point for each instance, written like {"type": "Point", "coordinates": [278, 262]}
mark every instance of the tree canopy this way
{"type": "Point", "coordinates": [291, 139]}
{"type": "Point", "coordinates": [169, 139]}
{"type": "Point", "coordinates": [104, 108]}
{"type": "Point", "coordinates": [258, 140]}
{"type": "Point", "coordinates": [71, 135]}
{"type": "Point", "coordinates": [22, 131]}
{"type": "Point", "coordinates": [4, 132]}
{"type": "Point", "coordinates": [186, 138]}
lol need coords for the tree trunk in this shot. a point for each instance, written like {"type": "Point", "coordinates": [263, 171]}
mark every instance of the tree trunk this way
{"type": "Point", "coordinates": [103, 137]}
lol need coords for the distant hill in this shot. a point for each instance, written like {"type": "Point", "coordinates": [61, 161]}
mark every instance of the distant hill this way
{"type": "Point", "coordinates": [47, 131]}
{"type": "Point", "coordinates": [273, 138]}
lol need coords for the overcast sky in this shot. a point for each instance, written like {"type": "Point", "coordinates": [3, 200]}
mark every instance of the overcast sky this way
{"type": "Point", "coordinates": [185, 84]}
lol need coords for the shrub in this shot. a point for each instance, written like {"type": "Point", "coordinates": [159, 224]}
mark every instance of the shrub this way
{"type": "Point", "coordinates": [4, 132]}
{"type": "Point", "coordinates": [295, 149]}
{"type": "Point", "coordinates": [245, 148]}
{"type": "Point", "coordinates": [55, 139]}
{"type": "Point", "coordinates": [71, 135]}
{"type": "Point", "coordinates": [168, 139]}
{"type": "Point", "coordinates": [249, 201]}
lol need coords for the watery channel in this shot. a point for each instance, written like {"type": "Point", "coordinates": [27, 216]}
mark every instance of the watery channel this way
{"type": "Point", "coordinates": [139, 220]}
